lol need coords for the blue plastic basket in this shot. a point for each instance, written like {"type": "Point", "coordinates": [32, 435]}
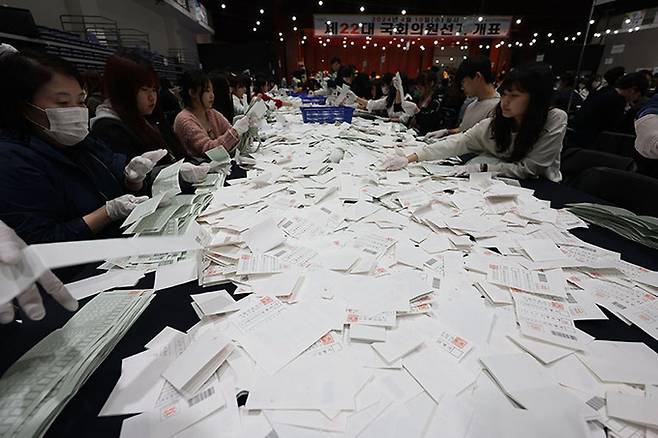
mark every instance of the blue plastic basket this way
{"type": "Point", "coordinates": [327, 114]}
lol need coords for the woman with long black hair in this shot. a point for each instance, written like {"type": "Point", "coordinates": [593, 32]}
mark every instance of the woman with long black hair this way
{"type": "Point", "coordinates": [522, 140]}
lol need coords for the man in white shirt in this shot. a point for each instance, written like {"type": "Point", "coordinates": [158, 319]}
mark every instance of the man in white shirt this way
{"type": "Point", "coordinates": [476, 78]}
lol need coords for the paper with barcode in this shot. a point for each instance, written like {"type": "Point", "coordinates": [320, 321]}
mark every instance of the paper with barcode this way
{"type": "Point", "coordinates": [545, 318]}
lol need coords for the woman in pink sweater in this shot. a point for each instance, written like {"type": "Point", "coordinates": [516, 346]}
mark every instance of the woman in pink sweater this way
{"type": "Point", "coordinates": [199, 127]}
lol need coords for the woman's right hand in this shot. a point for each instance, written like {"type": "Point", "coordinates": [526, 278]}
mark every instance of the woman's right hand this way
{"type": "Point", "coordinates": [140, 166]}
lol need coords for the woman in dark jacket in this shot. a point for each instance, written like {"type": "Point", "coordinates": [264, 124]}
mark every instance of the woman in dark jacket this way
{"type": "Point", "coordinates": [56, 183]}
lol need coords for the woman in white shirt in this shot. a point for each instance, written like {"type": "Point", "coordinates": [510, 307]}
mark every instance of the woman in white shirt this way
{"type": "Point", "coordinates": [393, 102]}
{"type": "Point", "coordinates": [522, 140]}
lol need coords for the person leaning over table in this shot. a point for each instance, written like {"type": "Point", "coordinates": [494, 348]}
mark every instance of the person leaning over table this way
{"type": "Point", "coordinates": [56, 182]}
{"type": "Point", "coordinates": [394, 103]}
{"type": "Point", "coordinates": [29, 300]}
{"type": "Point", "coordinates": [522, 140]}
{"type": "Point", "coordinates": [199, 127]}
{"type": "Point", "coordinates": [125, 120]}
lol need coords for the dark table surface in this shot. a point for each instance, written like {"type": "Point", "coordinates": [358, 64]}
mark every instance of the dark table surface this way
{"type": "Point", "coordinates": [171, 307]}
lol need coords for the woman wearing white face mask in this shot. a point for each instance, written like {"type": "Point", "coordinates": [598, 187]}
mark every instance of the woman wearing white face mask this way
{"type": "Point", "coordinates": [56, 182]}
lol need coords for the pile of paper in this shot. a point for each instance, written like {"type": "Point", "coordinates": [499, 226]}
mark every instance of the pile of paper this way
{"type": "Point", "coordinates": [38, 386]}
{"type": "Point", "coordinates": [387, 304]}
{"type": "Point", "coordinates": [642, 229]}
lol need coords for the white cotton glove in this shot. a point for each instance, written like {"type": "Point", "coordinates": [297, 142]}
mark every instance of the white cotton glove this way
{"type": "Point", "coordinates": [241, 124]}
{"type": "Point", "coordinates": [467, 169]}
{"type": "Point", "coordinates": [194, 174]}
{"type": "Point", "coordinates": [140, 166]}
{"type": "Point", "coordinates": [30, 301]}
{"type": "Point", "coordinates": [120, 208]}
{"type": "Point", "coordinates": [435, 135]}
{"type": "Point", "coordinates": [395, 161]}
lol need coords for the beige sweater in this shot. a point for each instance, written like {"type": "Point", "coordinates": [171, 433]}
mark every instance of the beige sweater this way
{"type": "Point", "coordinates": [542, 160]}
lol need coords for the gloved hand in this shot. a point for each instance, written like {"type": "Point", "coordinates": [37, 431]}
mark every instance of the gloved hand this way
{"type": "Point", "coordinates": [120, 208]}
{"type": "Point", "coordinates": [30, 301]}
{"type": "Point", "coordinates": [241, 124]}
{"type": "Point", "coordinates": [140, 166]}
{"type": "Point", "coordinates": [435, 135]}
{"type": "Point", "coordinates": [467, 169]}
{"type": "Point", "coordinates": [395, 161]}
{"type": "Point", "coordinates": [194, 174]}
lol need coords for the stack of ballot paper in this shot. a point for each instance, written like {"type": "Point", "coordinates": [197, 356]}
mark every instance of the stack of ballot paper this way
{"type": "Point", "coordinates": [642, 229]}
{"type": "Point", "coordinates": [36, 388]}
{"type": "Point", "coordinates": [383, 304]}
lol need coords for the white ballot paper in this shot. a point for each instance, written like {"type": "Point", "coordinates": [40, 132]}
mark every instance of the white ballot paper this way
{"type": "Point", "coordinates": [113, 278]}
{"type": "Point", "coordinates": [143, 209]}
{"type": "Point", "coordinates": [544, 318]}
{"type": "Point", "coordinates": [215, 302]}
{"type": "Point", "coordinates": [274, 333]}
{"type": "Point", "coordinates": [264, 236]}
{"type": "Point", "coordinates": [257, 264]}
{"type": "Point", "coordinates": [548, 283]}
{"type": "Point", "coordinates": [636, 409]}
{"type": "Point", "coordinates": [645, 316]}
{"type": "Point", "coordinates": [189, 371]}
{"type": "Point", "coordinates": [167, 180]}
{"type": "Point", "coordinates": [399, 343]}
{"type": "Point", "coordinates": [622, 362]}
{"type": "Point", "coordinates": [541, 250]}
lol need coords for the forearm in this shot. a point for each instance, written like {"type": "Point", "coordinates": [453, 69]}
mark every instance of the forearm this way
{"type": "Point", "coordinates": [97, 220]}
{"type": "Point", "coordinates": [133, 186]}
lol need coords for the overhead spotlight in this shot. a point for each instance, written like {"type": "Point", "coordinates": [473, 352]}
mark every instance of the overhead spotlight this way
{"type": "Point", "coordinates": [488, 46]}
{"type": "Point", "coordinates": [294, 28]}
{"type": "Point", "coordinates": [579, 33]}
{"type": "Point", "coordinates": [615, 32]}
{"type": "Point", "coordinates": [254, 29]}
{"type": "Point", "coordinates": [480, 19]}
{"type": "Point", "coordinates": [452, 59]}
{"type": "Point", "coordinates": [607, 31]}
{"type": "Point", "coordinates": [362, 8]}
{"type": "Point", "coordinates": [573, 38]}
{"type": "Point", "coordinates": [320, 3]}
{"type": "Point", "coordinates": [293, 18]}
{"type": "Point", "coordinates": [223, 5]}
{"type": "Point", "coordinates": [436, 42]}
{"type": "Point", "coordinates": [457, 33]}
{"type": "Point", "coordinates": [566, 38]}
{"type": "Point", "coordinates": [280, 34]}
{"type": "Point", "coordinates": [627, 21]}
{"type": "Point", "coordinates": [592, 21]}
{"type": "Point", "coordinates": [549, 34]}
{"type": "Point", "coordinates": [637, 28]}
{"type": "Point", "coordinates": [281, 39]}
{"type": "Point", "coordinates": [360, 24]}
{"type": "Point", "coordinates": [535, 34]}
{"type": "Point", "coordinates": [552, 41]}
{"type": "Point", "coordinates": [518, 21]}
{"type": "Point", "coordinates": [328, 23]}
{"type": "Point", "coordinates": [403, 12]}
{"type": "Point", "coordinates": [363, 47]}
{"type": "Point", "coordinates": [262, 11]}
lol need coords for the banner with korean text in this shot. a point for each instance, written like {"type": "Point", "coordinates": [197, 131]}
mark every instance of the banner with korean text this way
{"type": "Point", "coordinates": [422, 26]}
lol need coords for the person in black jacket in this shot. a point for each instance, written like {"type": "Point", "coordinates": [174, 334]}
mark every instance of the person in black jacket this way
{"type": "Point", "coordinates": [56, 182]}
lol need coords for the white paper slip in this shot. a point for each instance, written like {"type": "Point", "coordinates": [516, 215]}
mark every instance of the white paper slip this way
{"type": "Point", "coordinates": [367, 333]}
{"type": "Point", "coordinates": [167, 180]}
{"type": "Point", "coordinates": [517, 372]}
{"type": "Point", "coordinates": [436, 243]}
{"type": "Point", "coordinates": [138, 387]}
{"type": "Point", "coordinates": [399, 343]}
{"type": "Point", "coordinates": [216, 302]}
{"type": "Point", "coordinates": [285, 284]}
{"type": "Point", "coordinates": [436, 373]}
{"type": "Point", "coordinates": [264, 236]}
{"type": "Point", "coordinates": [143, 209]}
{"type": "Point", "coordinates": [542, 351]}
{"type": "Point", "coordinates": [299, 227]}
{"type": "Point", "coordinates": [338, 259]}
{"type": "Point", "coordinates": [109, 280]}
{"type": "Point", "coordinates": [257, 264]}
{"type": "Point", "coordinates": [633, 408]}
{"type": "Point", "coordinates": [582, 307]}
{"type": "Point", "coordinates": [198, 362]}
{"type": "Point", "coordinates": [456, 346]}
{"type": "Point", "coordinates": [548, 283]}
{"type": "Point", "coordinates": [63, 254]}
{"type": "Point", "coordinates": [273, 333]}
{"type": "Point", "coordinates": [378, 319]}
{"type": "Point", "coordinates": [622, 362]}
{"type": "Point", "coordinates": [181, 272]}
{"type": "Point", "coordinates": [645, 316]}
{"type": "Point", "coordinates": [541, 250]}
{"type": "Point", "coordinates": [547, 319]}
{"type": "Point", "coordinates": [164, 338]}
{"type": "Point", "coordinates": [497, 294]}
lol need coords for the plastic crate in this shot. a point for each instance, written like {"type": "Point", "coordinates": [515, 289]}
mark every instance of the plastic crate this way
{"type": "Point", "coordinates": [327, 114]}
